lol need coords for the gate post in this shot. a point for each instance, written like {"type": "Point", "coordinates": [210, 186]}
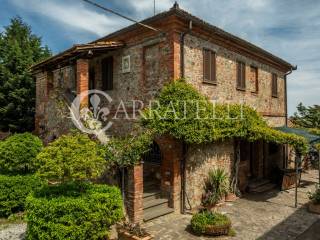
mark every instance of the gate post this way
{"type": "Point", "coordinates": [135, 193]}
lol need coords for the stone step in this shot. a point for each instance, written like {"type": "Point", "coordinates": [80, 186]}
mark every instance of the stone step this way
{"type": "Point", "coordinates": [151, 195]}
{"type": "Point", "coordinates": [264, 188]}
{"type": "Point", "coordinates": [155, 212]}
{"type": "Point", "coordinates": [149, 203]}
{"type": "Point", "coordinates": [258, 183]}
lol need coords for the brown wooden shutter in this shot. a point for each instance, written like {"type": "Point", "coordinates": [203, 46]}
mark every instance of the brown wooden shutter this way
{"type": "Point", "coordinates": [213, 67]}
{"type": "Point", "coordinates": [274, 85]}
{"type": "Point", "coordinates": [241, 75]}
{"type": "Point", "coordinates": [107, 73]}
{"type": "Point", "coordinates": [206, 65]}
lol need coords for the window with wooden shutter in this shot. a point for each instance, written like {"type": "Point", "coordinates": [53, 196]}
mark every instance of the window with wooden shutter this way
{"type": "Point", "coordinates": [107, 73]}
{"type": "Point", "coordinates": [274, 85]}
{"type": "Point", "coordinates": [241, 75]}
{"type": "Point", "coordinates": [209, 66]}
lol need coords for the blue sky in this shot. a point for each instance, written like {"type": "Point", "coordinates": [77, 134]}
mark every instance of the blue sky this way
{"type": "Point", "coordinates": [289, 29]}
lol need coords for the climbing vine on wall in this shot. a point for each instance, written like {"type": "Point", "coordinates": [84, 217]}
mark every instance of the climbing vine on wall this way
{"type": "Point", "coordinates": [181, 111]}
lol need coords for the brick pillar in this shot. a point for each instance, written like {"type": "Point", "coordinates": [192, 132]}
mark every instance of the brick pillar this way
{"type": "Point", "coordinates": [83, 78]}
{"type": "Point", "coordinates": [135, 193]}
{"type": "Point", "coordinates": [174, 38]}
{"type": "Point", "coordinates": [171, 151]}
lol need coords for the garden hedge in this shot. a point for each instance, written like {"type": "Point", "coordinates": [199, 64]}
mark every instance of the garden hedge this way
{"type": "Point", "coordinates": [14, 191]}
{"type": "Point", "coordinates": [73, 211]}
{"type": "Point", "coordinates": [18, 153]}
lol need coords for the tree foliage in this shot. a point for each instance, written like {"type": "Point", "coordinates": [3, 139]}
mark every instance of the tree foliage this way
{"type": "Point", "coordinates": [307, 117]}
{"type": "Point", "coordinates": [19, 49]}
{"type": "Point", "coordinates": [18, 153]}
{"type": "Point", "coordinates": [182, 112]}
{"type": "Point", "coordinates": [72, 157]}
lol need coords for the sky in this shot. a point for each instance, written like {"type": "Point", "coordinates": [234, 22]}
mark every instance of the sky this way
{"type": "Point", "coordinates": [289, 29]}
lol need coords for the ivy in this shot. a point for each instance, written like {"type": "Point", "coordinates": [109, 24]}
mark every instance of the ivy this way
{"type": "Point", "coordinates": [182, 112]}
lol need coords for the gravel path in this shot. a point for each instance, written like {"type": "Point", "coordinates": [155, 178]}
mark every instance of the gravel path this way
{"type": "Point", "coordinates": [13, 231]}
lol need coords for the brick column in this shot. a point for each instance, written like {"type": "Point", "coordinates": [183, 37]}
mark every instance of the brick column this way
{"type": "Point", "coordinates": [135, 193]}
{"type": "Point", "coordinates": [83, 78]}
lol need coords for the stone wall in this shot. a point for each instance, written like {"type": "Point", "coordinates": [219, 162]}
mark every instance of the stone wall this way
{"type": "Point", "coordinates": [225, 91]}
{"type": "Point", "coordinates": [202, 158]}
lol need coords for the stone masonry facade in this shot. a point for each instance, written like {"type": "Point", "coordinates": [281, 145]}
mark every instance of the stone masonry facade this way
{"type": "Point", "coordinates": [154, 61]}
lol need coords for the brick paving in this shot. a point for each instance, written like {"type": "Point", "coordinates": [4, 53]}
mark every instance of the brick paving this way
{"type": "Point", "coordinates": [267, 216]}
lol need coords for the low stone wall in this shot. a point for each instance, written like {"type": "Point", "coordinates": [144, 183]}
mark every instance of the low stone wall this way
{"type": "Point", "coordinates": [202, 158]}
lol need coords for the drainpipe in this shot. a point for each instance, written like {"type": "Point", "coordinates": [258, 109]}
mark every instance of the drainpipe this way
{"type": "Point", "coordinates": [286, 109]}
{"type": "Point", "coordinates": [184, 146]}
{"type": "Point", "coordinates": [286, 91]}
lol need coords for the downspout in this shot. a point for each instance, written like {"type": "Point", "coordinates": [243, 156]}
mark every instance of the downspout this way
{"type": "Point", "coordinates": [286, 109]}
{"type": "Point", "coordinates": [184, 146]}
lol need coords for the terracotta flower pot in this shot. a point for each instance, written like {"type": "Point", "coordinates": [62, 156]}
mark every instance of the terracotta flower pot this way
{"type": "Point", "coordinates": [314, 208]}
{"type": "Point", "coordinates": [124, 235]}
{"type": "Point", "coordinates": [231, 197]}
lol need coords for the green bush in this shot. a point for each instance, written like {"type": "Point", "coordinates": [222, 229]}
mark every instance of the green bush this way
{"type": "Point", "coordinates": [72, 157]}
{"type": "Point", "coordinates": [200, 221]}
{"type": "Point", "coordinates": [18, 153]}
{"type": "Point", "coordinates": [73, 211]}
{"type": "Point", "coordinates": [13, 192]}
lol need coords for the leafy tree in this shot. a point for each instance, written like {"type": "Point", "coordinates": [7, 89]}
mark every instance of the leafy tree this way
{"type": "Point", "coordinates": [18, 153]}
{"type": "Point", "coordinates": [72, 157]}
{"type": "Point", "coordinates": [19, 50]}
{"type": "Point", "coordinates": [307, 117]}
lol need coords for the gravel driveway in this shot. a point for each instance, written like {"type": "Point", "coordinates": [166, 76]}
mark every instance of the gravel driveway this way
{"type": "Point", "coordinates": [12, 231]}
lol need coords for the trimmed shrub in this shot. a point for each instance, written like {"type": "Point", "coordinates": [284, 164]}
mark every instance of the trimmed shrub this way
{"type": "Point", "coordinates": [72, 157]}
{"type": "Point", "coordinates": [14, 191]}
{"type": "Point", "coordinates": [73, 211]}
{"type": "Point", "coordinates": [200, 222]}
{"type": "Point", "coordinates": [18, 153]}
{"type": "Point", "coordinates": [315, 196]}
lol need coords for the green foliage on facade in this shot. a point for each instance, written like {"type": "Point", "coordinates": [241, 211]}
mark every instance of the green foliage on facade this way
{"type": "Point", "coordinates": [72, 157]}
{"type": "Point", "coordinates": [182, 112]}
{"type": "Point", "coordinates": [123, 152]}
{"type": "Point", "coordinates": [18, 154]}
{"type": "Point", "coordinates": [73, 211]}
{"type": "Point", "coordinates": [19, 50]}
{"type": "Point", "coordinates": [14, 191]}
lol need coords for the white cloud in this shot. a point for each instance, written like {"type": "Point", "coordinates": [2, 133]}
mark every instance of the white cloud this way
{"type": "Point", "coordinates": [74, 15]}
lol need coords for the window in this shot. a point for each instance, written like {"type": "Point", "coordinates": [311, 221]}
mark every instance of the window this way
{"type": "Point", "coordinates": [209, 66]}
{"type": "Point", "coordinates": [107, 73]}
{"type": "Point", "coordinates": [241, 75]}
{"type": "Point", "coordinates": [254, 79]}
{"type": "Point", "coordinates": [274, 85]}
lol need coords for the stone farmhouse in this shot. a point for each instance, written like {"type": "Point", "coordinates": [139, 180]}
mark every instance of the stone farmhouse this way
{"type": "Point", "coordinates": [134, 63]}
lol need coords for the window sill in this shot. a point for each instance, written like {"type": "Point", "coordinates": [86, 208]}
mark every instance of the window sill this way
{"type": "Point", "coordinates": [241, 89]}
{"type": "Point", "coordinates": [255, 93]}
{"type": "Point", "coordinates": [274, 96]}
{"type": "Point", "coordinates": [209, 83]}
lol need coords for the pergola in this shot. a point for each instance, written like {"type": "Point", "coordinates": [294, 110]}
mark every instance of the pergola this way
{"type": "Point", "coordinates": [312, 140]}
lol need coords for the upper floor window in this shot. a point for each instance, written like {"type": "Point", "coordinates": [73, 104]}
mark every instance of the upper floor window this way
{"type": "Point", "coordinates": [107, 73]}
{"type": "Point", "coordinates": [241, 75]}
{"type": "Point", "coordinates": [209, 66]}
{"type": "Point", "coordinates": [254, 79]}
{"type": "Point", "coordinates": [274, 85]}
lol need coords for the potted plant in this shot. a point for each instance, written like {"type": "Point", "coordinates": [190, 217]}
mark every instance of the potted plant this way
{"type": "Point", "coordinates": [314, 205]}
{"type": "Point", "coordinates": [130, 231]}
{"type": "Point", "coordinates": [216, 188]}
{"type": "Point", "coordinates": [211, 223]}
